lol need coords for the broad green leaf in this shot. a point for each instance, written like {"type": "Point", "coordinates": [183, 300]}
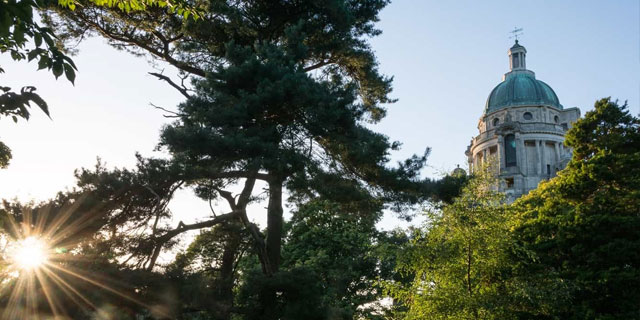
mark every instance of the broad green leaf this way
{"type": "Point", "coordinates": [35, 98]}
{"type": "Point", "coordinates": [69, 73]}
{"type": "Point", "coordinates": [33, 53]}
{"type": "Point", "coordinates": [18, 34]}
{"type": "Point", "coordinates": [44, 62]}
{"type": "Point", "coordinates": [57, 69]}
{"type": "Point", "coordinates": [70, 61]}
{"type": "Point", "coordinates": [37, 38]}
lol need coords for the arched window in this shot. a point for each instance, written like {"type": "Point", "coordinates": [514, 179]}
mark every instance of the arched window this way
{"type": "Point", "coordinates": [527, 116]}
{"type": "Point", "coordinates": [556, 119]}
{"type": "Point", "coordinates": [496, 121]}
{"type": "Point", "coordinates": [510, 150]}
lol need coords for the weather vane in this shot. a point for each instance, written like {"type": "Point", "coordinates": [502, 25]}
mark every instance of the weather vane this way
{"type": "Point", "coordinates": [515, 33]}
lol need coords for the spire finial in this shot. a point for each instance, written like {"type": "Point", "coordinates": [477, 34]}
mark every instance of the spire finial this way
{"type": "Point", "coordinates": [517, 52]}
{"type": "Point", "coordinates": [515, 33]}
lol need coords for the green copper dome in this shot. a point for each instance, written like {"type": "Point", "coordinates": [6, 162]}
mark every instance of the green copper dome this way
{"type": "Point", "coordinates": [520, 86]}
{"type": "Point", "coordinates": [521, 89]}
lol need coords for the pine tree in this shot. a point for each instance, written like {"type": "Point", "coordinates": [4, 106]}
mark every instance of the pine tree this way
{"type": "Point", "coordinates": [282, 92]}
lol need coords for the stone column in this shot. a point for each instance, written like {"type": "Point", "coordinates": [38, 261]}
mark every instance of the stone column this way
{"type": "Point", "coordinates": [539, 154]}
{"type": "Point", "coordinates": [557, 149]}
{"type": "Point", "coordinates": [542, 158]}
{"type": "Point", "coordinates": [521, 157]}
{"type": "Point", "coordinates": [501, 153]}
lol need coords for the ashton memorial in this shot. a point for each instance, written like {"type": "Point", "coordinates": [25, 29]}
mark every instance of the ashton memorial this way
{"type": "Point", "coordinates": [522, 128]}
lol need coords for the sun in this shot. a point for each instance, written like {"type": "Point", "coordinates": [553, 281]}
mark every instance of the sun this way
{"type": "Point", "coordinates": [29, 253]}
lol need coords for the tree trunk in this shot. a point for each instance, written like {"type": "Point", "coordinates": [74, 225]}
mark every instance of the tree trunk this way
{"type": "Point", "coordinates": [224, 288]}
{"type": "Point", "coordinates": [273, 246]}
{"type": "Point", "coordinates": [274, 224]}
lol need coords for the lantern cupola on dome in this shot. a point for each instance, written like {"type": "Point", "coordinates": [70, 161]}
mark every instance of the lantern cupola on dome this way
{"type": "Point", "coordinates": [517, 57]}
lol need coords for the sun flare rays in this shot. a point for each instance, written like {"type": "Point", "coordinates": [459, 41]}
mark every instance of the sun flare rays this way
{"type": "Point", "coordinates": [41, 273]}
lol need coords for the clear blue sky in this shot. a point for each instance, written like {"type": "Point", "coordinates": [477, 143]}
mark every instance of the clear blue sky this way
{"type": "Point", "coordinates": [446, 57]}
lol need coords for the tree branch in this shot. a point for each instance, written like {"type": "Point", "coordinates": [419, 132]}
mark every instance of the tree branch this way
{"type": "Point", "coordinates": [318, 65]}
{"type": "Point", "coordinates": [131, 40]}
{"type": "Point", "coordinates": [229, 197]}
{"type": "Point", "coordinates": [212, 174]}
{"type": "Point", "coordinates": [175, 114]}
{"type": "Point", "coordinates": [194, 226]}
{"type": "Point", "coordinates": [245, 195]}
{"type": "Point", "coordinates": [182, 89]}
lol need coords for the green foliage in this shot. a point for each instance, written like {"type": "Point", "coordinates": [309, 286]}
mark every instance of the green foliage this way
{"type": "Point", "coordinates": [458, 260]}
{"type": "Point", "coordinates": [450, 186]}
{"type": "Point", "coordinates": [182, 8]}
{"type": "Point", "coordinates": [18, 28]}
{"type": "Point", "coordinates": [5, 155]}
{"type": "Point", "coordinates": [340, 248]}
{"type": "Point", "coordinates": [582, 228]}
{"type": "Point", "coordinates": [298, 295]}
{"type": "Point", "coordinates": [15, 105]}
{"type": "Point", "coordinates": [332, 262]}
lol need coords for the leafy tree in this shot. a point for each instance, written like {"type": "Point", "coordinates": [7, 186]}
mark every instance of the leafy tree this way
{"type": "Point", "coordinates": [339, 247]}
{"type": "Point", "coordinates": [459, 260]}
{"type": "Point", "coordinates": [582, 228]}
{"type": "Point", "coordinates": [17, 28]}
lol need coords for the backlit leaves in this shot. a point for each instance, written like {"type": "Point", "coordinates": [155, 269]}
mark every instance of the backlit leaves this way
{"type": "Point", "coordinates": [178, 6]}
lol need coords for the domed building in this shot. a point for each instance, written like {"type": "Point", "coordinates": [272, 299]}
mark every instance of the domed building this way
{"type": "Point", "coordinates": [522, 127]}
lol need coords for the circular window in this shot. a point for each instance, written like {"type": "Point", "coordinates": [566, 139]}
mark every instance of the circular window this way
{"type": "Point", "coordinates": [527, 116]}
{"type": "Point", "coordinates": [496, 121]}
{"type": "Point", "coordinates": [556, 119]}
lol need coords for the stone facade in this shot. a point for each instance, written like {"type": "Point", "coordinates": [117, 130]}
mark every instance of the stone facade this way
{"type": "Point", "coordinates": [523, 128]}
